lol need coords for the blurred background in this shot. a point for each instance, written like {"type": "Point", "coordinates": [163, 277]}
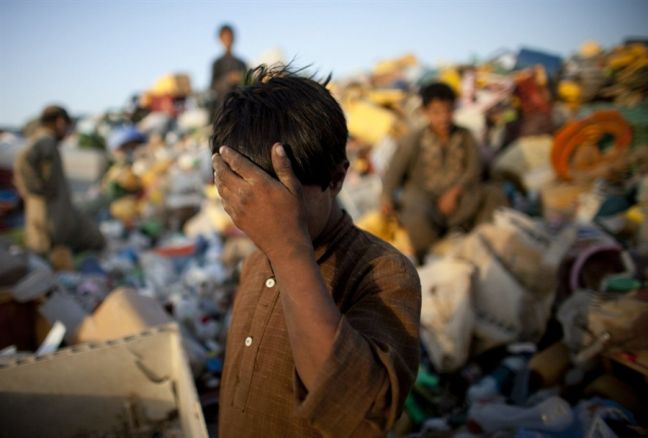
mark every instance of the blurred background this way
{"type": "Point", "coordinates": [535, 305]}
{"type": "Point", "coordinates": [93, 55]}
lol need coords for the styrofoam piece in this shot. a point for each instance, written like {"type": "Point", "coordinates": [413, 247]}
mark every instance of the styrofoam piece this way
{"type": "Point", "coordinates": [9, 351]}
{"type": "Point", "coordinates": [447, 317]}
{"type": "Point", "coordinates": [83, 164]}
{"type": "Point", "coordinates": [53, 339]}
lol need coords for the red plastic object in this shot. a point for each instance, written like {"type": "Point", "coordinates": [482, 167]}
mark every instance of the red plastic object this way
{"type": "Point", "coordinates": [176, 250]}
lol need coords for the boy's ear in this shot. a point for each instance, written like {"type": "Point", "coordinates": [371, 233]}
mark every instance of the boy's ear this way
{"type": "Point", "coordinates": [337, 179]}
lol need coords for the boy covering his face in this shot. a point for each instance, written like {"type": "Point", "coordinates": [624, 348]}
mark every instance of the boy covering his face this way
{"type": "Point", "coordinates": [324, 332]}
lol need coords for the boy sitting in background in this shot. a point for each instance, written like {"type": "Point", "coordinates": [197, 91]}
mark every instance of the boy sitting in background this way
{"type": "Point", "coordinates": [439, 169]}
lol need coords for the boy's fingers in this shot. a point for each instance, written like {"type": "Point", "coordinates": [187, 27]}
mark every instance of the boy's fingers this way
{"type": "Point", "coordinates": [240, 164]}
{"type": "Point", "coordinates": [283, 168]}
{"type": "Point", "coordinates": [223, 175]}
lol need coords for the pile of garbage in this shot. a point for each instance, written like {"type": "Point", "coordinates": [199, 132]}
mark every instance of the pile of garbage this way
{"type": "Point", "coordinates": [532, 324]}
{"type": "Point", "coordinates": [171, 253]}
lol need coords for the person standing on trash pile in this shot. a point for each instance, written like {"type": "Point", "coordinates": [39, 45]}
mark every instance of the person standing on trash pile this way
{"type": "Point", "coordinates": [227, 70]}
{"type": "Point", "coordinates": [438, 167]}
{"type": "Point", "coordinates": [51, 219]}
{"type": "Point", "coordinates": [324, 333]}
{"type": "Point", "coordinates": [120, 179]}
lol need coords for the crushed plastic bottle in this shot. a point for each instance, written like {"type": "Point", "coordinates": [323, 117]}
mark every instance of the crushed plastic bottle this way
{"type": "Point", "coordinates": [552, 415]}
{"type": "Point", "coordinates": [491, 385]}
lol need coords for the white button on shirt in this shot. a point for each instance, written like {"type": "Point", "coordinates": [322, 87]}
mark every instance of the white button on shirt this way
{"type": "Point", "coordinates": [248, 341]}
{"type": "Point", "coordinates": [270, 282]}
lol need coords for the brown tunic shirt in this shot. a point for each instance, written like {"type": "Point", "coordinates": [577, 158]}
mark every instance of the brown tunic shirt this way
{"type": "Point", "coordinates": [423, 162]}
{"type": "Point", "coordinates": [361, 389]}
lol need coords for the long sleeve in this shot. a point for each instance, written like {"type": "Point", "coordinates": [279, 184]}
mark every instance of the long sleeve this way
{"type": "Point", "coordinates": [215, 75]}
{"type": "Point", "coordinates": [472, 171]}
{"type": "Point", "coordinates": [399, 165]}
{"type": "Point", "coordinates": [362, 386]}
{"type": "Point", "coordinates": [38, 168]}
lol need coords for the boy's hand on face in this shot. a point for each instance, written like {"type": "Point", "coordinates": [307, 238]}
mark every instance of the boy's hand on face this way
{"type": "Point", "coordinates": [270, 212]}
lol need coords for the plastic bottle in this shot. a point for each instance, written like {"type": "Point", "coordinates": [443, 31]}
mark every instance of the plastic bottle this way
{"type": "Point", "coordinates": [491, 385]}
{"type": "Point", "coordinates": [552, 415]}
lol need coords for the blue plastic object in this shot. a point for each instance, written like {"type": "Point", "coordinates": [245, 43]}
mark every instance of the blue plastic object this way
{"type": "Point", "coordinates": [125, 134]}
{"type": "Point", "coordinates": [528, 58]}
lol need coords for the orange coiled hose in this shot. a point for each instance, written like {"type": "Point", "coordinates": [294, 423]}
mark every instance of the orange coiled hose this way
{"type": "Point", "coordinates": [587, 133]}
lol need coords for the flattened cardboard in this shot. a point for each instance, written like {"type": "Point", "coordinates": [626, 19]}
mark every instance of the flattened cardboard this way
{"type": "Point", "coordinates": [134, 386]}
{"type": "Point", "coordinates": [123, 313]}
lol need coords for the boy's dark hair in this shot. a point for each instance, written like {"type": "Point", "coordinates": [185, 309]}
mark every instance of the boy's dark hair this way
{"type": "Point", "coordinates": [437, 91]}
{"type": "Point", "coordinates": [278, 105]}
{"type": "Point", "coordinates": [225, 28]}
{"type": "Point", "coordinates": [51, 113]}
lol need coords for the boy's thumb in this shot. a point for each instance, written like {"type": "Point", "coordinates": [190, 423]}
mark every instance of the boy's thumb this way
{"type": "Point", "coordinates": [283, 168]}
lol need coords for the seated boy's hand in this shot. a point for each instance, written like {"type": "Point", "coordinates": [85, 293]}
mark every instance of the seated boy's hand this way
{"type": "Point", "coordinates": [270, 212]}
{"type": "Point", "coordinates": [447, 203]}
{"type": "Point", "coordinates": [387, 208]}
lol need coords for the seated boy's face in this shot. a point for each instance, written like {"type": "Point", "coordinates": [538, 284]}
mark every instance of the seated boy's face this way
{"type": "Point", "coordinates": [439, 115]}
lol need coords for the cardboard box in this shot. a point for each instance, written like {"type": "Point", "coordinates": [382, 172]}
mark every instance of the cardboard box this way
{"type": "Point", "coordinates": [135, 386]}
{"type": "Point", "coordinates": [124, 312]}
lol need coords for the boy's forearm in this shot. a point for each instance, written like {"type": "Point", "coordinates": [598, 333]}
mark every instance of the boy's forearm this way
{"type": "Point", "coordinates": [311, 315]}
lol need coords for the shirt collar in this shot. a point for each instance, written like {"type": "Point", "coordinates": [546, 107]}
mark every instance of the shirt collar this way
{"type": "Point", "coordinates": [453, 130]}
{"type": "Point", "coordinates": [328, 240]}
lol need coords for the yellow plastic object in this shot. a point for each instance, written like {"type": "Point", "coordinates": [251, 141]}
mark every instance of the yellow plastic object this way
{"type": "Point", "coordinates": [569, 91]}
{"type": "Point", "coordinates": [451, 77]}
{"type": "Point", "coordinates": [388, 229]}
{"type": "Point", "coordinates": [367, 122]}
{"type": "Point", "coordinates": [636, 215]}
{"type": "Point", "coordinates": [590, 49]}
{"type": "Point", "coordinates": [125, 209]}
{"type": "Point", "coordinates": [155, 172]}
{"type": "Point", "coordinates": [172, 85]}
{"type": "Point", "coordinates": [128, 180]}
{"type": "Point", "coordinates": [391, 66]}
{"type": "Point", "coordinates": [624, 56]}
{"type": "Point", "coordinates": [386, 97]}
{"type": "Point", "coordinates": [386, 67]}
{"type": "Point", "coordinates": [156, 197]}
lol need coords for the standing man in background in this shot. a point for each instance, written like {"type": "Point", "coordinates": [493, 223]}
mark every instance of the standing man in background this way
{"type": "Point", "coordinates": [51, 219]}
{"type": "Point", "coordinates": [227, 71]}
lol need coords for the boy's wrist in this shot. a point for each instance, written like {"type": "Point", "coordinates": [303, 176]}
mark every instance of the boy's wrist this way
{"type": "Point", "coordinates": [292, 249]}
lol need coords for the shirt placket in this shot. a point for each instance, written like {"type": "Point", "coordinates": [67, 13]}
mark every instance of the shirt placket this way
{"type": "Point", "coordinates": [252, 340]}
